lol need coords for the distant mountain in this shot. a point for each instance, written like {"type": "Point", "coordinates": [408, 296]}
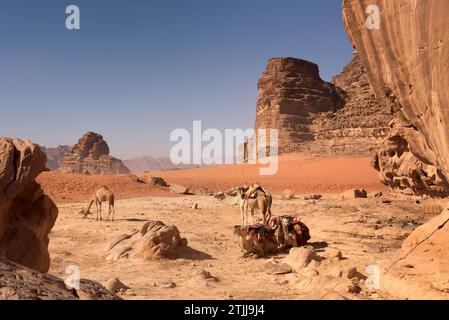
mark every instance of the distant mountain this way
{"type": "Point", "coordinates": [54, 156]}
{"type": "Point", "coordinates": [143, 164]}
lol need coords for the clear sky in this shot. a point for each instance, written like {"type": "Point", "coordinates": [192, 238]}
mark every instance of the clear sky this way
{"type": "Point", "coordinates": [136, 70]}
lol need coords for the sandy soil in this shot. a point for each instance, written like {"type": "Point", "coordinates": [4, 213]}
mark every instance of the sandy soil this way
{"type": "Point", "coordinates": [366, 231]}
{"type": "Point", "coordinates": [299, 173]}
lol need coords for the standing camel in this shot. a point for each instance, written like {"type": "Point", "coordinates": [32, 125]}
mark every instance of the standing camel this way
{"type": "Point", "coordinates": [100, 195]}
{"type": "Point", "coordinates": [255, 198]}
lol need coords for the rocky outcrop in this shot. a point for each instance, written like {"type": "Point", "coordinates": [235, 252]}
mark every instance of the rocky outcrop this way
{"type": "Point", "coordinates": [91, 155]}
{"type": "Point", "coordinates": [402, 171]}
{"type": "Point", "coordinates": [153, 240]}
{"type": "Point", "coordinates": [27, 215]}
{"type": "Point", "coordinates": [407, 62]}
{"type": "Point", "coordinates": [55, 155]}
{"type": "Point", "coordinates": [314, 116]}
{"type": "Point", "coordinates": [20, 283]}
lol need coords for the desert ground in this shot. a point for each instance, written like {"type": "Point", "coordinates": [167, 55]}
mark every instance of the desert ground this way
{"type": "Point", "coordinates": [366, 231]}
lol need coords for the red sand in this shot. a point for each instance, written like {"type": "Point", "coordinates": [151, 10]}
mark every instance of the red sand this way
{"type": "Point", "coordinates": [301, 174]}
{"type": "Point", "coordinates": [296, 172]}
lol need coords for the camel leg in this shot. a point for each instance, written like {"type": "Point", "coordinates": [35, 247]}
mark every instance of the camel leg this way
{"type": "Point", "coordinates": [101, 218]}
{"type": "Point", "coordinates": [96, 205]}
{"type": "Point", "coordinates": [109, 213]}
{"type": "Point", "coordinates": [113, 213]}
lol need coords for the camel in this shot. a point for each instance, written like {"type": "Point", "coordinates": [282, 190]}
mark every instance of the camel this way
{"type": "Point", "coordinates": [100, 195]}
{"type": "Point", "coordinates": [254, 198]}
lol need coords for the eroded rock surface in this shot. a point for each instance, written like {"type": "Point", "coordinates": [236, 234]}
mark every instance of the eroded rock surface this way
{"type": "Point", "coordinates": [402, 171]}
{"type": "Point", "coordinates": [91, 155]}
{"type": "Point", "coordinates": [407, 62]}
{"type": "Point", "coordinates": [27, 215]}
{"type": "Point", "coordinates": [152, 241]}
{"type": "Point", "coordinates": [21, 283]}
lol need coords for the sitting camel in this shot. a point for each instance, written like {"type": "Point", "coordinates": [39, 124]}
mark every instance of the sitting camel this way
{"type": "Point", "coordinates": [100, 195]}
{"type": "Point", "coordinates": [254, 198]}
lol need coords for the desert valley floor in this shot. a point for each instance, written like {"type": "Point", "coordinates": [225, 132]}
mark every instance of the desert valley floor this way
{"type": "Point", "coordinates": [366, 231]}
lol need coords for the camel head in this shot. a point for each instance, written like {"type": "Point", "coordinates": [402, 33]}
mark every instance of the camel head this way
{"type": "Point", "coordinates": [85, 212]}
{"type": "Point", "coordinates": [242, 191]}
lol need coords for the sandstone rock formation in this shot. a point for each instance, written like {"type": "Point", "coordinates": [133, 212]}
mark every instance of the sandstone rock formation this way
{"type": "Point", "coordinates": [27, 215]}
{"type": "Point", "coordinates": [407, 63]}
{"type": "Point", "coordinates": [20, 283]}
{"type": "Point", "coordinates": [91, 155]}
{"type": "Point", "coordinates": [402, 171]}
{"type": "Point", "coordinates": [55, 155]}
{"type": "Point", "coordinates": [318, 117]}
{"type": "Point", "coordinates": [152, 241]}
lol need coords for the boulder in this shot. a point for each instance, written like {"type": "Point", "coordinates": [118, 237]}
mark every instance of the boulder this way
{"type": "Point", "coordinates": [355, 194]}
{"type": "Point", "coordinates": [27, 215]}
{"type": "Point", "coordinates": [154, 240]}
{"type": "Point", "coordinates": [176, 188]}
{"type": "Point", "coordinates": [299, 257]}
{"type": "Point", "coordinates": [158, 181]}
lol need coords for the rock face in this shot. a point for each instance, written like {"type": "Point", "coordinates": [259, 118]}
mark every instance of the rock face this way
{"type": "Point", "coordinates": [153, 240]}
{"type": "Point", "coordinates": [20, 283]}
{"type": "Point", "coordinates": [91, 155]}
{"type": "Point", "coordinates": [407, 62]}
{"type": "Point", "coordinates": [55, 155]}
{"type": "Point", "coordinates": [402, 171]}
{"type": "Point", "coordinates": [318, 117]}
{"type": "Point", "coordinates": [27, 215]}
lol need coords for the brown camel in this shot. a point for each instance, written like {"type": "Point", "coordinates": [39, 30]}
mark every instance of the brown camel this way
{"type": "Point", "coordinates": [255, 198]}
{"type": "Point", "coordinates": [100, 195]}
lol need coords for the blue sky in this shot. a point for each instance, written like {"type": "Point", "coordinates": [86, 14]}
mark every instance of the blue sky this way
{"type": "Point", "coordinates": [136, 70]}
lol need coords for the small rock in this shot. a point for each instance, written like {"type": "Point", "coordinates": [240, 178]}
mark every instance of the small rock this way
{"type": "Point", "coordinates": [206, 275]}
{"type": "Point", "coordinates": [168, 285]}
{"type": "Point", "coordinates": [355, 194]}
{"type": "Point", "coordinates": [220, 196]}
{"type": "Point", "coordinates": [176, 188]}
{"type": "Point", "coordinates": [115, 285]}
{"type": "Point", "coordinates": [195, 206]}
{"type": "Point", "coordinates": [313, 197]}
{"type": "Point", "coordinates": [158, 181]}
{"type": "Point", "coordinates": [378, 195]}
{"type": "Point", "coordinates": [288, 195]}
